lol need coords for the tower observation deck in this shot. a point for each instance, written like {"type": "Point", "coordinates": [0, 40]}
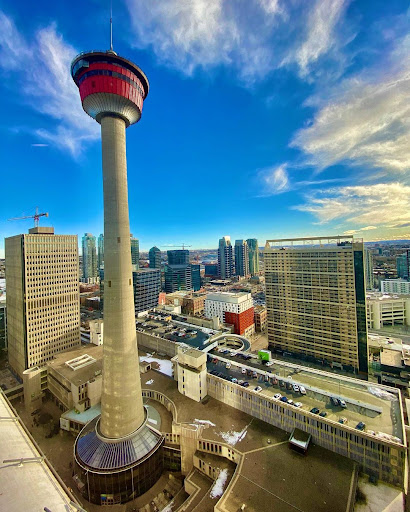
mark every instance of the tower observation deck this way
{"type": "Point", "coordinates": [119, 455]}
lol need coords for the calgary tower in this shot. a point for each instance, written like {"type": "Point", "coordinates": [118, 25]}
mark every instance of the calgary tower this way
{"type": "Point", "coordinates": [117, 456]}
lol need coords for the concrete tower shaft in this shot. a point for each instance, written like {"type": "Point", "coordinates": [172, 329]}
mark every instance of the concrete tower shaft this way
{"type": "Point", "coordinates": [122, 410]}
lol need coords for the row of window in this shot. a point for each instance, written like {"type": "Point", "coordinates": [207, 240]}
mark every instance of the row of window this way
{"type": "Point", "coordinates": [114, 74]}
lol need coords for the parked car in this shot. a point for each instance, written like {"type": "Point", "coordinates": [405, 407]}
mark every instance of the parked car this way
{"type": "Point", "coordinates": [277, 396]}
{"type": "Point", "coordinates": [283, 399]}
{"type": "Point", "coordinates": [274, 381]}
{"type": "Point", "coordinates": [243, 370]}
{"type": "Point", "coordinates": [323, 414]}
{"type": "Point", "coordinates": [228, 365]}
{"type": "Point", "coordinates": [315, 410]}
{"type": "Point", "coordinates": [361, 425]}
{"type": "Point", "coordinates": [257, 389]}
{"type": "Point", "coordinates": [214, 360]}
{"type": "Point", "coordinates": [282, 384]}
{"type": "Point", "coordinates": [298, 404]}
{"type": "Point", "coordinates": [288, 385]}
{"type": "Point", "coordinates": [245, 384]}
{"type": "Point", "coordinates": [254, 375]}
{"type": "Point", "coordinates": [302, 390]}
{"type": "Point", "coordinates": [335, 401]}
{"type": "Point", "coordinates": [269, 363]}
{"type": "Point", "coordinates": [240, 382]}
{"type": "Point", "coordinates": [343, 420]}
{"type": "Point", "coordinates": [296, 388]}
{"type": "Point", "coordinates": [342, 403]}
{"type": "Point", "coordinates": [290, 401]}
{"type": "Point", "coordinates": [234, 380]}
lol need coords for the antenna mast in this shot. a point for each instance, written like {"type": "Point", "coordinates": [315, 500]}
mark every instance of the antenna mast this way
{"type": "Point", "coordinates": [111, 27]}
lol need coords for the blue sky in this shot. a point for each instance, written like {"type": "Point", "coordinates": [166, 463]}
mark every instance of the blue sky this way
{"type": "Point", "coordinates": [266, 118]}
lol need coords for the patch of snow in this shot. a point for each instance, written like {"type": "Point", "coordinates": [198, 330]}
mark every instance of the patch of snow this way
{"type": "Point", "coordinates": [165, 365]}
{"type": "Point", "coordinates": [205, 422]}
{"type": "Point", "coordinates": [381, 393]}
{"type": "Point", "coordinates": [218, 487]}
{"type": "Point", "coordinates": [149, 382]}
{"type": "Point", "coordinates": [168, 508]}
{"type": "Point", "coordinates": [232, 438]}
{"type": "Point", "coordinates": [155, 422]}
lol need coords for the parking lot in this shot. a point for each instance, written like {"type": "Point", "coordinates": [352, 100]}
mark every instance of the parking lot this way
{"type": "Point", "coordinates": [378, 413]}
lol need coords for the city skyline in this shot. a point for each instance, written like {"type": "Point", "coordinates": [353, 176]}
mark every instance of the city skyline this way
{"type": "Point", "coordinates": [272, 132]}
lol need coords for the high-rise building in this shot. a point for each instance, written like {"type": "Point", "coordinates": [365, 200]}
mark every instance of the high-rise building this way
{"type": "Point", "coordinates": [232, 308]}
{"type": "Point", "coordinates": [253, 250]}
{"type": "Point", "coordinates": [117, 456]}
{"type": "Point", "coordinates": [211, 270]}
{"type": "Point", "coordinates": [135, 252]}
{"type": "Point", "coordinates": [241, 258]}
{"type": "Point", "coordinates": [399, 286]}
{"type": "Point", "coordinates": [100, 253]}
{"type": "Point", "coordinates": [368, 269]}
{"type": "Point", "coordinates": [225, 259]}
{"type": "Point", "coordinates": [403, 265]}
{"type": "Point", "coordinates": [3, 323]}
{"type": "Point", "coordinates": [43, 303]}
{"type": "Point", "coordinates": [89, 257]}
{"type": "Point", "coordinates": [154, 257]}
{"type": "Point", "coordinates": [178, 257]}
{"type": "Point", "coordinates": [178, 277]}
{"type": "Point", "coordinates": [147, 285]}
{"type": "Point", "coordinates": [196, 277]}
{"type": "Point", "coordinates": [315, 298]}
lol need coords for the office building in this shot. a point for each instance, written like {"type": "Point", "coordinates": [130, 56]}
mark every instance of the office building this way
{"type": "Point", "coordinates": [399, 286]}
{"type": "Point", "coordinates": [253, 251]}
{"type": "Point", "coordinates": [403, 265]}
{"type": "Point", "coordinates": [89, 258]}
{"type": "Point", "coordinates": [147, 285]}
{"type": "Point", "coordinates": [43, 304]}
{"type": "Point", "coordinates": [261, 317]}
{"type": "Point", "coordinates": [232, 308]}
{"type": "Point", "coordinates": [383, 309]}
{"type": "Point", "coordinates": [241, 258]}
{"type": "Point", "coordinates": [196, 277]}
{"type": "Point", "coordinates": [315, 298]}
{"type": "Point", "coordinates": [368, 269]}
{"type": "Point", "coordinates": [178, 277]}
{"type": "Point", "coordinates": [211, 270]}
{"type": "Point", "coordinates": [100, 252]}
{"type": "Point", "coordinates": [117, 456]}
{"type": "Point", "coordinates": [135, 252]}
{"type": "Point", "coordinates": [225, 258]}
{"type": "Point", "coordinates": [154, 258]}
{"type": "Point", "coordinates": [178, 257]}
{"type": "Point", "coordinates": [3, 323]}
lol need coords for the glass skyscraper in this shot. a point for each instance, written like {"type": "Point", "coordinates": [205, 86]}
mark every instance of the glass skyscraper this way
{"type": "Point", "coordinates": [135, 252]}
{"type": "Point", "coordinates": [178, 257]}
{"type": "Point", "coordinates": [196, 277]}
{"type": "Point", "coordinates": [253, 251]}
{"type": "Point", "coordinates": [100, 254]}
{"type": "Point", "coordinates": [241, 258]}
{"type": "Point", "coordinates": [225, 258]}
{"type": "Point", "coordinates": [154, 257]}
{"type": "Point", "coordinates": [89, 257]}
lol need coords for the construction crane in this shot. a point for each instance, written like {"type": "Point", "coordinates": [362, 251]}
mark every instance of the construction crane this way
{"type": "Point", "coordinates": [183, 246]}
{"type": "Point", "coordinates": [36, 217]}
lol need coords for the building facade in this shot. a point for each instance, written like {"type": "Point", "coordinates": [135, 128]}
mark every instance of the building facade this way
{"type": "Point", "coordinates": [315, 298]}
{"type": "Point", "coordinates": [100, 252]}
{"type": "Point", "coordinates": [225, 258]}
{"type": "Point", "coordinates": [403, 264]}
{"type": "Point", "coordinates": [196, 277]}
{"type": "Point", "coordinates": [147, 285]}
{"type": "Point", "coordinates": [368, 269]}
{"type": "Point", "coordinates": [241, 258]}
{"type": "Point", "coordinates": [89, 257]}
{"type": "Point", "coordinates": [399, 286]}
{"type": "Point", "coordinates": [178, 257]}
{"type": "Point", "coordinates": [385, 310]}
{"type": "Point", "coordinates": [3, 324]}
{"type": "Point", "coordinates": [232, 308]}
{"type": "Point", "coordinates": [154, 258]}
{"type": "Point", "coordinates": [178, 277]}
{"type": "Point", "coordinates": [43, 304]}
{"type": "Point", "coordinates": [211, 270]}
{"type": "Point", "coordinates": [261, 318]}
{"type": "Point", "coordinates": [253, 251]}
{"type": "Point", "coordinates": [135, 252]}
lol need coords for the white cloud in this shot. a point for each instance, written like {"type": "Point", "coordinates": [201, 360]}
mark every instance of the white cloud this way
{"type": "Point", "coordinates": [252, 37]}
{"type": "Point", "coordinates": [321, 26]}
{"type": "Point", "coordinates": [381, 205]}
{"type": "Point", "coordinates": [274, 180]}
{"type": "Point", "coordinates": [365, 120]}
{"type": "Point", "coordinates": [44, 70]}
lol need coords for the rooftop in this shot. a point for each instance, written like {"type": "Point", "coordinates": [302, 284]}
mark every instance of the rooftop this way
{"type": "Point", "coordinates": [84, 368]}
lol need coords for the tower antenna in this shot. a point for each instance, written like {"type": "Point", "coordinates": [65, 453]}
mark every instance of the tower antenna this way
{"type": "Point", "coordinates": [111, 26]}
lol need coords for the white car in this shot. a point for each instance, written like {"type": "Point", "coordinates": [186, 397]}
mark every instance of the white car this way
{"type": "Point", "coordinates": [243, 370]}
{"type": "Point", "coordinates": [290, 401]}
{"type": "Point", "coordinates": [228, 365]}
{"type": "Point", "coordinates": [298, 404]}
{"type": "Point", "coordinates": [269, 363]}
{"type": "Point", "coordinates": [220, 350]}
{"type": "Point", "coordinates": [257, 389]}
{"type": "Point", "coordinates": [277, 396]}
{"type": "Point", "coordinates": [302, 390]}
{"type": "Point", "coordinates": [296, 388]}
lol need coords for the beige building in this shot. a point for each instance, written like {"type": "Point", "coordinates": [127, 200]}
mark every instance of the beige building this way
{"type": "Point", "coordinates": [261, 318]}
{"type": "Point", "coordinates": [191, 372]}
{"type": "Point", "coordinates": [384, 309]}
{"type": "Point", "coordinates": [43, 314]}
{"type": "Point", "coordinates": [315, 298]}
{"type": "Point", "coordinates": [194, 304]}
